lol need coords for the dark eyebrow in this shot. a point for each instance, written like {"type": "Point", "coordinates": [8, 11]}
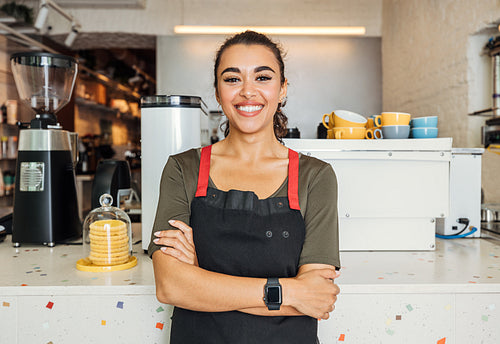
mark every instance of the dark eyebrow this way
{"type": "Point", "coordinates": [261, 68]}
{"type": "Point", "coordinates": [231, 69]}
{"type": "Point", "coordinates": [256, 70]}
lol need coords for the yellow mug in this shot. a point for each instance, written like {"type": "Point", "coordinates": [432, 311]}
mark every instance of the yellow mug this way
{"type": "Point", "coordinates": [393, 118]}
{"type": "Point", "coordinates": [344, 118]}
{"type": "Point", "coordinates": [349, 133]}
{"type": "Point", "coordinates": [369, 123]}
{"type": "Point", "coordinates": [329, 124]}
{"type": "Point", "coordinates": [329, 134]}
{"type": "Point", "coordinates": [376, 121]}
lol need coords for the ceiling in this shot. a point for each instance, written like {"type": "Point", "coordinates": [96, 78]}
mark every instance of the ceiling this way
{"type": "Point", "coordinates": [127, 58]}
{"type": "Point", "coordinates": [103, 40]}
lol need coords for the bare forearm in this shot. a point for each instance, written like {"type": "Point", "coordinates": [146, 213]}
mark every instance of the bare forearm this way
{"type": "Point", "coordinates": [187, 286]}
{"type": "Point", "coordinates": [193, 288]}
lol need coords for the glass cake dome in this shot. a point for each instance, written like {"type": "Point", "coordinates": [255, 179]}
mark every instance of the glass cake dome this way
{"type": "Point", "coordinates": [107, 239]}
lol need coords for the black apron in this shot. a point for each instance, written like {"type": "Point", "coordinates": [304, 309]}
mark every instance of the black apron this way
{"type": "Point", "coordinates": [237, 234]}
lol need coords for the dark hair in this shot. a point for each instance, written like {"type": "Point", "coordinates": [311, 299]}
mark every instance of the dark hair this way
{"type": "Point", "coordinates": [248, 37]}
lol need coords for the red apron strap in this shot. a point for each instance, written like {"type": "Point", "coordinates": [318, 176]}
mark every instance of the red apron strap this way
{"type": "Point", "coordinates": [204, 172]}
{"type": "Point", "coordinates": [293, 179]}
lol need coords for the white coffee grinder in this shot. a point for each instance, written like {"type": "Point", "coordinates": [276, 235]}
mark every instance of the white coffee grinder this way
{"type": "Point", "coordinates": [45, 202]}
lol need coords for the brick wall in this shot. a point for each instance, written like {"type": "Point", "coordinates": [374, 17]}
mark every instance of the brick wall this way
{"type": "Point", "coordinates": [427, 68]}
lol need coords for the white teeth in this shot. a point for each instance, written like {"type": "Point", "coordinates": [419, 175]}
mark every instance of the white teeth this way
{"type": "Point", "coordinates": [250, 108]}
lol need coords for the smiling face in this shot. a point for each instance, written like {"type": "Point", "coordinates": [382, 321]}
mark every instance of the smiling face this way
{"type": "Point", "coordinates": [249, 88]}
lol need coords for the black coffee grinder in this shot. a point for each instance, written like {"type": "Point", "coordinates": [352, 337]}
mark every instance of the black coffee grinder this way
{"type": "Point", "coordinates": [45, 202]}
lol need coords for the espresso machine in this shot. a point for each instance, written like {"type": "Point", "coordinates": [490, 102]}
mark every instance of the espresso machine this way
{"type": "Point", "coordinates": [45, 201]}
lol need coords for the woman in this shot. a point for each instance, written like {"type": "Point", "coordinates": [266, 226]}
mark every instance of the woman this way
{"type": "Point", "coordinates": [245, 237]}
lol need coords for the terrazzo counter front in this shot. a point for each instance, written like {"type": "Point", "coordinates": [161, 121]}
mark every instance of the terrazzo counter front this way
{"type": "Point", "coordinates": [451, 295]}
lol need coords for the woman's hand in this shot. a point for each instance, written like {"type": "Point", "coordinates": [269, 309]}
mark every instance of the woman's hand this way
{"type": "Point", "coordinates": [178, 243]}
{"type": "Point", "coordinates": [314, 292]}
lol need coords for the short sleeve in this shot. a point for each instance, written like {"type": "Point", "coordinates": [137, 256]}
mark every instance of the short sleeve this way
{"type": "Point", "coordinates": [173, 201]}
{"type": "Point", "coordinates": [319, 194]}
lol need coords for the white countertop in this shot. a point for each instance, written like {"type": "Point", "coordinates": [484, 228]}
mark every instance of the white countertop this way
{"type": "Point", "coordinates": [456, 266]}
{"type": "Point", "coordinates": [42, 270]}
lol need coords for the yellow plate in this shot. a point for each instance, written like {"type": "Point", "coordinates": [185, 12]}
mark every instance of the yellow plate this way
{"type": "Point", "coordinates": [85, 264]}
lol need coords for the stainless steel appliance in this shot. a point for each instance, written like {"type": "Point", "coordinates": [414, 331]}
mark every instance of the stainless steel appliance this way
{"type": "Point", "coordinates": [490, 218]}
{"type": "Point", "coordinates": [45, 202]}
{"type": "Point", "coordinates": [169, 125]}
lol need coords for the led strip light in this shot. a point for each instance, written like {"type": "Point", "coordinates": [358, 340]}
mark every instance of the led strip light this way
{"type": "Point", "coordinates": [273, 30]}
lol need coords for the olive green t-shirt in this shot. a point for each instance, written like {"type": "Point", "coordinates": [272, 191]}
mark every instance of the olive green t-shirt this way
{"type": "Point", "coordinates": [317, 200]}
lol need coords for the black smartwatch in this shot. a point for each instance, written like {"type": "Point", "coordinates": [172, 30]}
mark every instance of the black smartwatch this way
{"type": "Point", "coordinates": [272, 294]}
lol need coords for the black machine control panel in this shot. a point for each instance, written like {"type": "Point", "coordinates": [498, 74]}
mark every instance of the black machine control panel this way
{"type": "Point", "coordinates": [491, 132]}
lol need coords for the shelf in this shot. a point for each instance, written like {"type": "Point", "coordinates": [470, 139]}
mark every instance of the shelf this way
{"type": "Point", "coordinates": [9, 129]}
{"type": "Point", "coordinates": [94, 105]}
{"type": "Point", "coordinates": [114, 85]}
{"type": "Point", "coordinates": [99, 107]}
{"type": "Point", "coordinates": [128, 117]}
{"type": "Point", "coordinates": [7, 125]}
{"type": "Point", "coordinates": [486, 112]}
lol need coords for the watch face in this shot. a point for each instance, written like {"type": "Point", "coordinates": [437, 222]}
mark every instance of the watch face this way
{"type": "Point", "coordinates": [273, 295]}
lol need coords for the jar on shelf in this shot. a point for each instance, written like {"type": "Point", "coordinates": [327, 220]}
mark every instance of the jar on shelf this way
{"type": "Point", "coordinates": [4, 140]}
{"type": "Point", "coordinates": [107, 239]}
{"type": "Point", "coordinates": [12, 147]}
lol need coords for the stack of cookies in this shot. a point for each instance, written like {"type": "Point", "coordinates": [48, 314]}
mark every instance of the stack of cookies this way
{"type": "Point", "coordinates": [109, 242]}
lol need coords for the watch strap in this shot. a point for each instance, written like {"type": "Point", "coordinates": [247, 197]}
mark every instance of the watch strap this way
{"type": "Point", "coordinates": [273, 282]}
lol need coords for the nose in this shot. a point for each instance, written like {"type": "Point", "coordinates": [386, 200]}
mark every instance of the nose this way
{"type": "Point", "coordinates": [247, 89]}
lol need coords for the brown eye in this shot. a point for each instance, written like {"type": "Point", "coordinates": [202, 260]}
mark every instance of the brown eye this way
{"type": "Point", "coordinates": [263, 78]}
{"type": "Point", "coordinates": [231, 80]}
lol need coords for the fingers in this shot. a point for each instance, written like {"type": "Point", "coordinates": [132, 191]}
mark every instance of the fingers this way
{"type": "Point", "coordinates": [173, 238]}
{"type": "Point", "coordinates": [337, 289]}
{"type": "Point", "coordinates": [178, 242]}
{"type": "Point", "coordinates": [185, 235]}
{"type": "Point", "coordinates": [328, 273]}
{"type": "Point", "coordinates": [177, 249]}
{"type": "Point", "coordinates": [325, 316]}
{"type": "Point", "coordinates": [188, 231]}
{"type": "Point", "coordinates": [319, 293]}
{"type": "Point", "coordinates": [329, 309]}
{"type": "Point", "coordinates": [177, 254]}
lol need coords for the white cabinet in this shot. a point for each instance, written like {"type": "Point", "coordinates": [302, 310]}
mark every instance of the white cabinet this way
{"type": "Point", "coordinates": [390, 192]}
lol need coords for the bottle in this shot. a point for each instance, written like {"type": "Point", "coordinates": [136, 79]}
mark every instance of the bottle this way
{"type": "Point", "coordinates": [12, 147]}
{"type": "Point", "coordinates": [3, 114]}
{"type": "Point", "coordinates": [4, 141]}
{"type": "Point", "coordinates": [8, 182]}
{"type": "Point", "coordinates": [2, 185]}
